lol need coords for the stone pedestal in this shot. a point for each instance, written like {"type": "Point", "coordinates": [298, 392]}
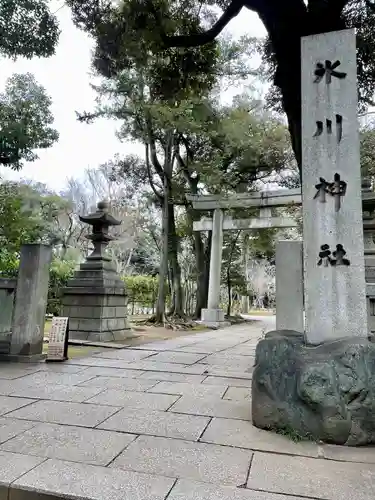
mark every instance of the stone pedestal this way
{"type": "Point", "coordinates": [95, 301]}
{"type": "Point", "coordinates": [289, 286]}
{"type": "Point", "coordinates": [325, 392]}
{"type": "Point", "coordinates": [31, 303]}
{"type": "Point", "coordinates": [213, 316]}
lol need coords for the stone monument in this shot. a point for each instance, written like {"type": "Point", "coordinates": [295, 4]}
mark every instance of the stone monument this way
{"type": "Point", "coordinates": [26, 341]}
{"type": "Point", "coordinates": [95, 299]}
{"type": "Point", "coordinates": [320, 383]}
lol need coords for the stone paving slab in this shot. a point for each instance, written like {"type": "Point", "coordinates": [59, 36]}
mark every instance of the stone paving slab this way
{"type": "Point", "coordinates": [207, 347]}
{"type": "Point", "coordinates": [11, 372]}
{"type": "Point", "coordinates": [309, 477]}
{"type": "Point", "coordinates": [231, 381]}
{"type": "Point", "coordinates": [12, 466]}
{"type": "Point", "coordinates": [156, 423]}
{"type": "Point", "coordinates": [7, 387]}
{"type": "Point", "coordinates": [241, 363]}
{"type": "Point", "coordinates": [94, 361]}
{"type": "Point", "coordinates": [242, 350]}
{"type": "Point", "coordinates": [94, 371]}
{"type": "Point", "coordinates": [64, 442]}
{"type": "Point", "coordinates": [204, 439]}
{"type": "Point", "coordinates": [183, 358]}
{"type": "Point", "coordinates": [222, 371]}
{"type": "Point", "coordinates": [81, 414]}
{"type": "Point", "coordinates": [212, 407]}
{"type": "Point", "coordinates": [59, 392]}
{"type": "Point", "coordinates": [11, 427]}
{"type": "Point", "coordinates": [182, 388]}
{"type": "Point", "coordinates": [116, 397]}
{"type": "Point", "coordinates": [194, 490]}
{"type": "Point", "coordinates": [168, 367]}
{"type": "Point", "coordinates": [128, 355]}
{"type": "Point", "coordinates": [45, 377]}
{"type": "Point", "coordinates": [177, 458]}
{"type": "Point", "coordinates": [349, 453]}
{"type": "Point", "coordinates": [81, 481]}
{"type": "Point", "coordinates": [8, 404]}
{"type": "Point", "coordinates": [241, 434]}
{"type": "Point", "coordinates": [128, 384]}
{"type": "Point", "coordinates": [61, 368]}
{"type": "Point", "coordinates": [173, 377]}
{"type": "Point", "coordinates": [238, 393]}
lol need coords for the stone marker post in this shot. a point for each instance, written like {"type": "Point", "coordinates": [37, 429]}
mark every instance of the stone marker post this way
{"type": "Point", "coordinates": [335, 302]}
{"type": "Point", "coordinates": [320, 385]}
{"type": "Point", "coordinates": [213, 315]}
{"type": "Point", "coordinates": [289, 286]}
{"type": "Point", "coordinates": [31, 303]}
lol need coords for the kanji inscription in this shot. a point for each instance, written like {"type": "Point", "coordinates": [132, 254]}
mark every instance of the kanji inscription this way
{"type": "Point", "coordinates": [328, 69]}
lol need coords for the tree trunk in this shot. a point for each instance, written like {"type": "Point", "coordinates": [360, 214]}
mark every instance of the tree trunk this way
{"type": "Point", "coordinates": [202, 263]}
{"type": "Point", "coordinates": [286, 23]}
{"type": "Point", "coordinates": [163, 270]}
{"type": "Point", "coordinates": [229, 288]}
{"type": "Point", "coordinates": [178, 296]}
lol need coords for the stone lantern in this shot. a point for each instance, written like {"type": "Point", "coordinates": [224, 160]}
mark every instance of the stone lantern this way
{"type": "Point", "coordinates": [95, 299]}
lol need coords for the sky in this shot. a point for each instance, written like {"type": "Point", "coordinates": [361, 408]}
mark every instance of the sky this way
{"type": "Point", "coordinates": [66, 78]}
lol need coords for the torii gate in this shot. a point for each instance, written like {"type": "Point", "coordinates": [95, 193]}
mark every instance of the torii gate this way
{"type": "Point", "coordinates": [289, 262]}
{"type": "Point", "coordinates": [265, 200]}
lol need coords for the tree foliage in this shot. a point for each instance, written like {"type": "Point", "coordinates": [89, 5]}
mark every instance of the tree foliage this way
{"type": "Point", "coordinates": [25, 121]}
{"type": "Point", "coordinates": [159, 27]}
{"type": "Point", "coordinates": [26, 216]}
{"type": "Point", "coordinates": [27, 29]}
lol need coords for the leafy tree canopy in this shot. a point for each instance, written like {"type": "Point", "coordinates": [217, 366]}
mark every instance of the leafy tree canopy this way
{"type": "Point", "coordinates": [157, 25]}
{"type": "Point", "coordinates": [27, 29]}
{"type": "Point", "coordinates": [25, 120]}
{"type": "Point", "coordinates": [26, 216]}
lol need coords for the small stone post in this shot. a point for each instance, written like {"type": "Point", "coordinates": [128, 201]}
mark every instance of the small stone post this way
{"type": "Point", "coordinates": [31, 303]}
{"type": "Point", "coordinates": [369, 251]}
{"type": "Point", "coordinates": [95, 299]}
{"type": "Point", "coordinates": [289, 286]}
{"type": "Point", "coordinates": [213, 315]}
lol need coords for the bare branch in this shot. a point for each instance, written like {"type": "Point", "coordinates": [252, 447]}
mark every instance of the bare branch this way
{"type": "Point", "coordinates": [208, 36]}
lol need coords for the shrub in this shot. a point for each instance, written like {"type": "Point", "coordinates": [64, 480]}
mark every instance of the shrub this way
{"type": "Point", "coordinates": [60, 272]}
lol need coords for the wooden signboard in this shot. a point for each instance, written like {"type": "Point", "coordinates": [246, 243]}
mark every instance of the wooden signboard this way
{"type": "Point", "coordinates": [58, 340]}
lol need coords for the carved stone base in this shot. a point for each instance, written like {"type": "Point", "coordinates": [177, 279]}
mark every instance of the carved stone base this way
{"type": "Point", "coordinates": [325, 392]}
{"type": "Point", "coordinates": [214, 318]}
{"type": "Point", "coordinates": [95, 301]}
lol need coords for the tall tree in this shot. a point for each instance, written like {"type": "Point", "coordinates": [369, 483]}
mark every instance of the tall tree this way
{"type": "Point", "coordinates": [28, 29]}
{"type": "Point", "coordinates": [286, 22]}
{"type": "Point", "coordinates": [25, 121]}
{"type": "Point", "coordinates": [151, 95]}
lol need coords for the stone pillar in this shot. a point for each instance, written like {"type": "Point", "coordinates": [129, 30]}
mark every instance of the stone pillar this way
{"type": "Point", "coordinates": [289, 286]}
{"type": "Point", "coordinates": [213, 315]}
{"type": "Point", "coordinates": [31, 303]}
{"type": "Point", "coordinates": [335, 301]}
{"type": "Point", "coordinates": [7, 299]}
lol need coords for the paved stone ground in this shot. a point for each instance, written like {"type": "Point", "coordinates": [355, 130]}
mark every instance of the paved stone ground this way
{"type": "Point", "coordinates": [169, 419]}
